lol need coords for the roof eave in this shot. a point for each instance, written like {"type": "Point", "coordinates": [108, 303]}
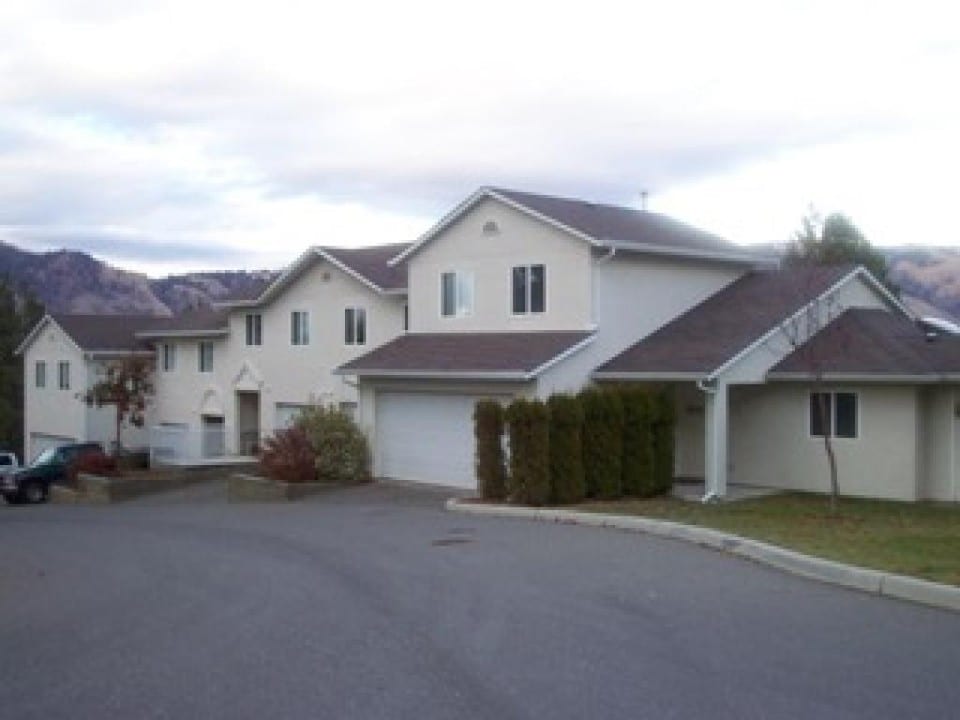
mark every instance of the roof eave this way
{"type": "Point", "coordinates": [737, 258]}
{"type": "Point", "coordinates": [160, 334]}
{"type": "Point", "coordinates": [516, 375]}
{"type": "Point", "coordinates": [665, 375]}
{"type": "Point", "coordinates": [885, 378]}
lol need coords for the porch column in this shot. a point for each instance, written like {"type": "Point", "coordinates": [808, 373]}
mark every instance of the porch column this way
{"type": "Point", "coordinates": [715, 417]}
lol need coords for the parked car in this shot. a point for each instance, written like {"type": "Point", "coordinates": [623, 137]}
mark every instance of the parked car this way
{"type": "Point", "coordinates": [32, 483]}
{"type": "Point", "coordinates": [8, 463]}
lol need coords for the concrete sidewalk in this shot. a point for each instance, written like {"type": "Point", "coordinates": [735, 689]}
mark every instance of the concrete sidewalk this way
{"type": "Point", "coordinates": [877, 582]}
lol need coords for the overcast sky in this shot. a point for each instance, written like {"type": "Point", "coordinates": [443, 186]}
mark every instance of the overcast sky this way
{"type": "Point", "coordinates": [171, 136]}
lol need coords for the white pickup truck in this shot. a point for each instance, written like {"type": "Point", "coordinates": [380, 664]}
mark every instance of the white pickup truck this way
{"type": "Point", "coordinates": [8, 463]}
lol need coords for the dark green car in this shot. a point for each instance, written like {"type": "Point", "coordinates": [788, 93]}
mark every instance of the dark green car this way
{"type": "Point", "coordinates": [32, 483]}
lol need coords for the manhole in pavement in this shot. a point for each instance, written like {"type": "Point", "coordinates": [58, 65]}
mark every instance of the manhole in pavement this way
{"type": "Point", "coordinates": [443, 542]}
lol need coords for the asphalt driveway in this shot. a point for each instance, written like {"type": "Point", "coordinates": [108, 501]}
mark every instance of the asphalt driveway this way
{"type": "Point", "coordinates": [375, 603]}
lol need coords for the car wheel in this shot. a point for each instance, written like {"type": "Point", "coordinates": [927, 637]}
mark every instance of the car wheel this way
{"type": "Point", "coordinates": [35, 492]}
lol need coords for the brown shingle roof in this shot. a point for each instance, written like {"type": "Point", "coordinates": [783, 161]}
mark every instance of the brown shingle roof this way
{"type": "Point", "coordinates": [195, 321]}
{"type": "Point", "coordinates": [873, 342]}
{"type": "Point", "coordinates": [108, 333]}
{"type": "Point", "coordinates": [709, 334]}
{"type": "Point", "coordinates": [470, 353]}
{"type": "Point", "coordinates": [614, 223]}
{"type": "Point", "coordinates": [371, 263]}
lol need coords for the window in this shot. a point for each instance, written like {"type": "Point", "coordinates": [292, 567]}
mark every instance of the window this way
{"type": "Point", "coordinates": [355, 326]}
{"type": "Point", "coordinates": [299, 327]}
{"type": "Point", "coordinates": [456, 294]}
{"type": "Point", "coordinates": [406, 317]}
{"type": "Point", "coordinates": [168, 357]}
{"type": "Point", "coordinates": [839, 415]}
{"type": "Point", "coordinates": [40, 374]}
{"type": "Point", "coordinates": [529, 289]}
{"type": "Point", "coordinates": [206, 356]}
{"type": "Point", "coordinates": [63, 375]}
{"type": "Point", "coordinates": [254, 329]}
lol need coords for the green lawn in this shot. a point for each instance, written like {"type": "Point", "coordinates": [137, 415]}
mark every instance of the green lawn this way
{"type": "Point", "coordinates": [919, 539]}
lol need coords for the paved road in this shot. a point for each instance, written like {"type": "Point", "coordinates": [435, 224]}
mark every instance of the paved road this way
{"type": "Point", "coordinates": [374, 603]}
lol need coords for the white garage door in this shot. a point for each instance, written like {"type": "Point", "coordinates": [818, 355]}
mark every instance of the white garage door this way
{"type": "Point", "coordinates": [41, 441]}
{"type": "Point", "coordinates": [428, 438]}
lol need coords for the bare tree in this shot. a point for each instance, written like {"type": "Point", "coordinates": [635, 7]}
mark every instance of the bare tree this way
{"type": "Point", "coordinates": [127, 385]}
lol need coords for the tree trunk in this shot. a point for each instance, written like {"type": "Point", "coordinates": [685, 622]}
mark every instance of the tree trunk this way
{"type": "Point", "coordinates": [828, 449]}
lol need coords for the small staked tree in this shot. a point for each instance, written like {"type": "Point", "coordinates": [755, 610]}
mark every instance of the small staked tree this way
{"type": "Point", "coordinates": [126, 385]}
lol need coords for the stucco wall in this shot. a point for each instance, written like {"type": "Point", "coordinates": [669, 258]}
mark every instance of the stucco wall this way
{"type": "Point", "coordinates": [283, 373]}
{"type": "Point", "coordinates": [50, 410]}
{"type": "Point", "coordinates": [939, 452]}
{"type": "Point", "coordinates": [521, 240]}
{"type": "Point", "coordinates": [770, 443]}
{"type": "Point", "coordinates": [633, 295]}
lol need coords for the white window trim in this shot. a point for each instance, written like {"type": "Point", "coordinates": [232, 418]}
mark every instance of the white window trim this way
{"type": "Point", "coordinates": [253, 330]}
{"type": "Point", "coordinates": [306, 327]}
{"type": "Point", "coordinates": [528, 313]}
{"type": "Point", "coordinates": [466, 275]}
{"type": "Point", "coordinates": [356, 310]}
{"type": "Point", "coordinates": [164, 366]}
{"type": "Point", "coordinates": [200, 348]}
{"type": "Point", "coordinates": [833, 414]}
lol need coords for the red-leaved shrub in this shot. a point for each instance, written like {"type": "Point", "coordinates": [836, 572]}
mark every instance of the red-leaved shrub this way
{"type": "Point", "coordinates": [288, 457]}
{"type": "Point", "coordinates": [91, 463]}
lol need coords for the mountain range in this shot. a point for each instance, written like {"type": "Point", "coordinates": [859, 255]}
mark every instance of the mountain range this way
{"type": "Point", "coordinates": [70, 281]}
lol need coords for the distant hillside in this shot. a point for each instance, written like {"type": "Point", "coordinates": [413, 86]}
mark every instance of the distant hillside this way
{"type": "Point", "coordinates": [71, 281]}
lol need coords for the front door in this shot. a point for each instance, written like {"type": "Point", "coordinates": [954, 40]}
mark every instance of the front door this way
{"type": "Point", "coordinates": [248, 423]}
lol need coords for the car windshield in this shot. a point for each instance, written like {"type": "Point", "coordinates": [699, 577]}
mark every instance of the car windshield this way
{"type": "Point", "coordinates": [45, 457]}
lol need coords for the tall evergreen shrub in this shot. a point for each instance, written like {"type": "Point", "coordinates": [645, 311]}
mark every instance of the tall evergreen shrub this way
{"type": "Point", "coordinates": [529, 433]}
{"type": "Point", "coordinates": [663, 441]}
{"type": "Point", "coordinates": [567, 483]}
{"type": "Point", "coordinates": [637, 473]}
{"type": "Point", "coordinates": [488, 431]}
{"type": "Point", "coordinates": [602, 442]}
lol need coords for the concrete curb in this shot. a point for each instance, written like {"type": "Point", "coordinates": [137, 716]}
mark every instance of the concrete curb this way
{"type": "Point", "coordinates": [828, 571]}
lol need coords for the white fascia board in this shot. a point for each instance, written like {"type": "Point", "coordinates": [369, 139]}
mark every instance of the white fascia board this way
{"type": "Point", "coordinates": [159, 334]}
{"type": "Point", "coordinates": [347, 269]}
{"type": "Point", "coordinates": [437, 374]}
{"type": "Point", "coordinates": [537, 371]}
{"type": "Point", "coordinates": [666, 375]}
{"type": "Point", "coordinates": [119, 353]}
{"type": "Point", "coordinates": [864, 378]}
{"type": "Point", "coordinates": [41, 323]}
{"type": "Point", "coordinates": [737, 258]}
{"type": "Point", "coordinates": [467, 204]}
{"type": "Point", "coordinates": [776, 328]}
{"type": "Point", "coordinates": [883, 291]}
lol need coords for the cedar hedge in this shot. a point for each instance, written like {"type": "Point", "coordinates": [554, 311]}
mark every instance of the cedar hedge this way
{"type": "Point", "coordinates": [638, 478]}
{"type": "Point", "coordinates": [602, 442]}
{"type": "Point", "coordinates": [663, 433]}
{"type": "Point", "coordinates": [529, 432]}
{"type": "Point", "coordinates": [488, 430]}
{"type": "Point", "coordinates": [567, 483]}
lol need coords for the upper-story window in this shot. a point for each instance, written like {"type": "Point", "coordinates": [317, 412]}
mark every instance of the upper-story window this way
{"type": "Point", "coordinates": [40, 374]}
{"type": "Point", "coordinates": [355, 326]}
{"type": "Point", "coordinates": [456, 294]}
{"type": "Point", "coordinates": [529, 289]}
{"type": "Point", "coordinates": [299, 327]}
{"type": "Point", "coordinates": [254, 329]}
{"type": "Point", "coordinates": [168, 357]}
{"type": "Point", "coordinates": [206, 356]}
{"type": "Point", "coordinates": [63, 375]}
{"type": "Point", "coordinates": [833, 414]}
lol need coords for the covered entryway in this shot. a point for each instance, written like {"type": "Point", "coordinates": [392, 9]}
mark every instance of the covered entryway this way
{"type": "Point", "coordinates": [42, 441]}
{"type": "Point", "coordinates": [248, 423]}
{"type": "Point", "coordinates": [425, 437]}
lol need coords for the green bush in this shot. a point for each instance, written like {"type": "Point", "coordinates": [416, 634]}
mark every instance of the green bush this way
{"type": "Point", "coordinates": [488, 431]}
{"type": "Point", "coordinates": [567, 483]}
{"type": "Point", "coordinates": [529, 432]}
{"type": "Point", "coordinates": [602, 442]}
{"type": "Point", "coordinates": [287, 456]}
{"type": "Point", "coordinates": [663, 441]}
{"type": "Point", "coordinates": [342, 453]}
{"type": "Point", "coordinates": [638, 478]}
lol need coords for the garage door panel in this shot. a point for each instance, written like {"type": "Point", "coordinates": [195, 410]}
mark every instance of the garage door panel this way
{"type": "Point", "coordinates": [41, 441]}
{"type": "Point", "coordinates": [428, 438]}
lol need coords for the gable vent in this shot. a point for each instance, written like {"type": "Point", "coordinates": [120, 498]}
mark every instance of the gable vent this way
{"type": "Point", "coordinates": [491, 228]}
